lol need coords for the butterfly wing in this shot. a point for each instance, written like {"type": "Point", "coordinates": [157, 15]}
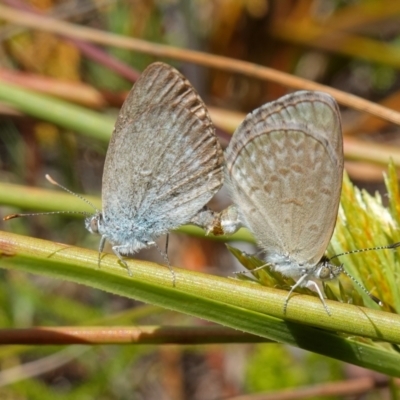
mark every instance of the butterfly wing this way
{"type": "Point", "coordinates": [285, 167]}
{"type": "Point", "coordinates": [164, 162]}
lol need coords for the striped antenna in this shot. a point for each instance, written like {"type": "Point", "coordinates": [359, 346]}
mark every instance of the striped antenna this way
{"type": "Point", "coordinates": [365, 290]}
{"type": "Point", "coordinates": [52, 181]}
{"type": "Point", "coordinates": [346, 253]}
{"type": "Point", "coordinates": [391, 246]}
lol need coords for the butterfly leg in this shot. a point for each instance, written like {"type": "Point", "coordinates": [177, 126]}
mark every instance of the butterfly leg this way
{"type": "Point", "coordinates": [250, 271]}
{"type": "Point", "coordinates": [166, 244]}
{"type": "Point", "coordinates": [101, 248]}
{"type": "Point", "coordinates": [166, 259]}
{"type": "Point", "coordinates": [311, 285]}
{"type": "Point", "coordinates": [116, 250]}
{"type": "Point", "coordinates": [297, 284]}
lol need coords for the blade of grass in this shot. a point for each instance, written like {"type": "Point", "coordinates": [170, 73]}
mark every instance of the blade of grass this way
{"type": "Point", "coordinates": [240, 305]}
{"type": "Point", "coordinates": [61, 113]}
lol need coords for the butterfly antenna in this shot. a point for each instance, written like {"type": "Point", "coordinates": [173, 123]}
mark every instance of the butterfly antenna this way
{"type": "Point", "coordinates": [371, 296]}
{"type": "Point", "coordinates": [391, 246]}
{"type": "Point", "coordinates": [53, 182]}
{"type": "Point", "coordinates": [12, 216]}
{"type": "Point", "coordinates": [374, 298]}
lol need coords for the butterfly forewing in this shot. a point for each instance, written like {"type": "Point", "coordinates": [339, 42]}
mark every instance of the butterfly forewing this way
{"type": "Point", "coordinates": [163, 162]}
{"type": "Point", "coordinates": [285, 166]}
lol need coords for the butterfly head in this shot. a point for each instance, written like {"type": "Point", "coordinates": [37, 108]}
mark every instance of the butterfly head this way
{"type": "Point", "coordinates": [326, 271]}
{"type": "Point", "coordinates": [94, 222]}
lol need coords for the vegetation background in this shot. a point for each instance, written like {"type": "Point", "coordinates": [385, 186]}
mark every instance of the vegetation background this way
{"type": "Point", "coordinates": [349, 45]}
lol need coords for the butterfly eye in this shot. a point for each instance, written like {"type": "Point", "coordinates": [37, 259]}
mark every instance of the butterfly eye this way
{"type": "Point", "coordinates": [324, 273]}
{"type": "Point", "coordinates": [94, 225]}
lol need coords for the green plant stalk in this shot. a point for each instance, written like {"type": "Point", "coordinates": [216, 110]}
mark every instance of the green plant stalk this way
{"type": "Point", "coordinates": [59, 112]}
{"type": "Point", "coordinates": [241, 305]}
